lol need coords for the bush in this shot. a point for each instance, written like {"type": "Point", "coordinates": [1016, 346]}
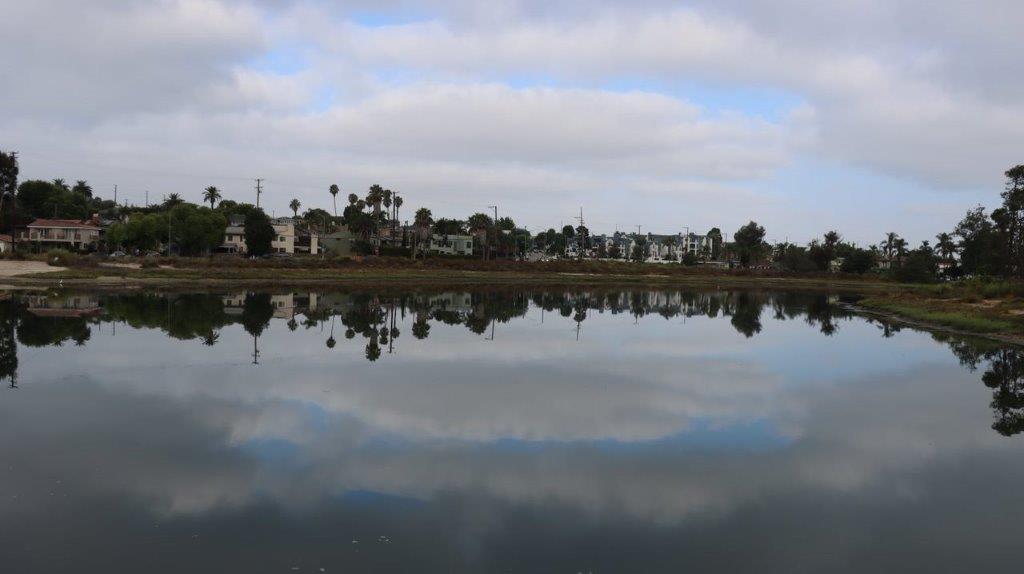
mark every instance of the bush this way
{"type": "Point", "coordinates": [61, 257]}
{"type": "Point", "coordinates": [919, 267]}
{"type": "Point", "coordinates": [858, 261]}
{"type": "Point", "coordinates": [689, 259]}
{"type": "Point", "coordinates": [149, 263]}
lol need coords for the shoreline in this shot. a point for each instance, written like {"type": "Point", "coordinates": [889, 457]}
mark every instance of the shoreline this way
{"type": "Point", "coordinates": [997, 319]}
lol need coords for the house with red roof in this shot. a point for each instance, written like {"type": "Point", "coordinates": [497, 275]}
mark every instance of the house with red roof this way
{"type": "Point", "coordinates": [69, 234]}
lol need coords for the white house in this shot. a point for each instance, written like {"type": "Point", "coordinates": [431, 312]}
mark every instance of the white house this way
{"type": "Point", "coordinates": [450, 244]}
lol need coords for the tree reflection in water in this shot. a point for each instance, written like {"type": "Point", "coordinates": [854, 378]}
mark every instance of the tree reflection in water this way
{"type": "Point", "coordinates": [54, 319]}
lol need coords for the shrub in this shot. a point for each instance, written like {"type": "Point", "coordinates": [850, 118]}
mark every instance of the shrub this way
{"type": "Point", "coordinates": [60, 257]}
{"type": "Point", "coordinates": [149, 263]}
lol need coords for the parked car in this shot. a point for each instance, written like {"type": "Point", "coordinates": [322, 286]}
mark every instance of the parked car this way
{"type": "Point", "coordinates": [118, 254]}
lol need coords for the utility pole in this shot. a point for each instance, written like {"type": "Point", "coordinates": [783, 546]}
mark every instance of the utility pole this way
{"type": "Point", "coordinates": [495, 208]}
{"type": "Point", "coordinates": [115, 195]}
{"type": "Point", "coordinates": [259, 190]}
{"type": "Point", "coordinates": [579, 236]}
{"type": "Point", "coordinates": [147, 198]}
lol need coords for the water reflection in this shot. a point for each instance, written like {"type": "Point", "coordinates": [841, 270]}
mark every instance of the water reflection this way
{"type": "Point", "coordinates": [56, 319]}
{"type": "Point", "coordinates": [498, 430]}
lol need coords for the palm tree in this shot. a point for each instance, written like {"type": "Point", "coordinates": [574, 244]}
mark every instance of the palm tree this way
{"type": "Point", "coordinates": [398, 204]}
{"type": "Point", "coordinates": [294, 205]}
{"type": "Point", "coordinates": [423, 220]}
{"type": "Point", "coordinates": [945, 245]}
{"type": "Point", "coordinates": [889, 244]}
{"type": "Point", "coordinates": [211, 195]}
{"type": "Point", "coordinates": [352, 198]}
{"type": "Point", "coordinates": [59, 183]}
{"type": "Point", "coordinates": [334, 189]}
{"type": "Point", "coordinates": [82, 187]}
{"type": "Point", "coordinates": [173, 200]}
{"type": "Point", "coordinates": [387, 204]}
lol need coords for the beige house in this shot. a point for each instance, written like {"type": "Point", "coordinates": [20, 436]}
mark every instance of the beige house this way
{"type": "Point", "coordinates": [67, 233]}
{"type": "Point", "coordinates": [283, 242]}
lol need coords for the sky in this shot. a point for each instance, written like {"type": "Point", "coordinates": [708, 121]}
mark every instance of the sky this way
{"type": "Point", "coordinates": [864, 116]}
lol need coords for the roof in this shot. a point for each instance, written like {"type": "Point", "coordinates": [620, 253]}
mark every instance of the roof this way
{"type": "Point", "coordinates": [6, 238]}
{"type": "Point", "coordinates": [63, 223]}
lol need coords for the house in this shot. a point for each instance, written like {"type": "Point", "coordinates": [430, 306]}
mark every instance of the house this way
{"type": "Point", "coordinates": [338, 243]}
{"type": "Point", "coordinates": [284, 238]}
{"type": "Point", "coordinates": [283, 241]}
{"type": "Point", "coordinates": [69, 234]}
{"type": "Point", "coordinates": [6, 243]}
{"type": "Point", "coordinates": [307, 242]}
{"type": "Point", "coordinates": [450, 244]}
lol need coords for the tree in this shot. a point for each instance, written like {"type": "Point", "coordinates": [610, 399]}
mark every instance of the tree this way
{"type": "Point", "coordinates": [294, 205]}
{"type": "Point", "coordinates": [334, 189]}
{"type": "Point", "coordinates": [919, 267]}
{"type": "Point", "coordinates": [639, 253]}
{"type": "Point", "coordinates": [33, 196]}
{"type": "Point", "coordinates": [211, 195]}
{"type": "Point", "coordinates": [173, 200]}
{"type": "Point", "coordinates": [479, 222]}
{"type": "Point", "coordinates": [568, 232]}
{"type": "Point", "coordinates": [196, 230]}
{"type": "Point", "coordinates": [858, 261]}
{"type": "Point", "coordinates": [945, 246]}
{"type": "Point", "coordinates": [259, 233]}
{"type": "Point", "coordinates": [8, 178]}
{"type": "Point", "coordinates": [749, 242]}
{"type": "Point", "coordinates": [978, 249]}
{"type": "Point", "coordinates": [82, 188]}
{"type": "Point", "coordinates": [445, 226]}
{"type": "Point", "coordinates": [715, 235]}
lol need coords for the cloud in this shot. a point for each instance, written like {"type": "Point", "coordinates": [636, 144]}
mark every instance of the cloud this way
{"type": "Point", "coordinates": [599, 102]}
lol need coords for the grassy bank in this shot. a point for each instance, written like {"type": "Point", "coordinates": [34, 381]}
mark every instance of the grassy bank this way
{"type": "Point", "coordinates": [309, 272]}
{"type": "Point", "coordinates": [1002, 317]}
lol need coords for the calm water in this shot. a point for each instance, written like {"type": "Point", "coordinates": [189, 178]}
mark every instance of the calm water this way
{"type": "Point", "coordinates": [500, 431]}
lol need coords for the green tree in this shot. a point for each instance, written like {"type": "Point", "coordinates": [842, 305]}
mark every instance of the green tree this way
{"type": "Point", "coordinates": [82, 188]}
{"type": "Point", "coordinates": [445, 226]}
{"type": "Point", "coordinates": [211, 195]}
{"type": "Point", "coordinates": [715, 235]}
{"type": "Point", "coordinates": [294, 205]}
{"type": "Point", "coordinates": [259, 233]}
{"type": "Point", "coordinates": [34, 196]}
{"type": "Point", "coordinates": [8, 180]}
{"type": "Point", "coordinates": [945, 246]}
{"type": "Point", "coordinates": [858, 261]}
{"type": "Point", "coordinates": [749, 242]}
{"type": "Point", "coordinates": [196, 230]}
{"type": "Point", "coordinates": [173, 200]}
{"type": "Point", "coordinates": [639, 252]}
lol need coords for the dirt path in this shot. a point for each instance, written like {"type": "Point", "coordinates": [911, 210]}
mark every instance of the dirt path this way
{"type": "Point", "coordinates": [15, 268]}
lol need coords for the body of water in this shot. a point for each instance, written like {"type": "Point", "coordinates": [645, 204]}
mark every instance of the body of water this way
{"type": "Point", "coordinates": [500, 430]}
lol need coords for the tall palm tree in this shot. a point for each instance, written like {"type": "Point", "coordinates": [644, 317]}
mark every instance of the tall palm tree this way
{"type": "Point", "coordinates": [173, 200]}
{"type": "Point", "coordinates": [294, 205]}
{"type": "Point", "coordinates": [945, 245]}
{"type": "Point", "coordinates": [387, 201]}
{"type": "Point", "coordinates": [334, 189]}
{"type": "Point", "coordinates": [82, 187]}
{"type": "Point", "coordinates": [398, 204]}
{"type": "Point", "coordinates": [889, 244]}
{"type": "Point", "coordinates": [211, 195]}
{"type": "Point", "coordinates": [374, 198]}
{"type": "Point", "coordinates": [423, 220]}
